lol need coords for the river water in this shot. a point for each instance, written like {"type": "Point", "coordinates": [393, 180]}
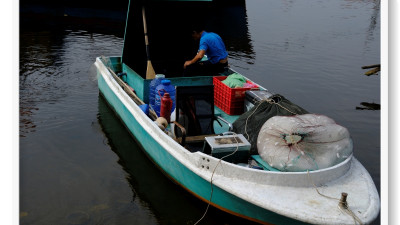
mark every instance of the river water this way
{"type": "Point", "coordinates": [78, 164]}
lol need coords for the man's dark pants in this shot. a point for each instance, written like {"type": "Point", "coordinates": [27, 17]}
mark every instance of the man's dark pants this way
{"type": "Point", "coordinates": [204, 68]}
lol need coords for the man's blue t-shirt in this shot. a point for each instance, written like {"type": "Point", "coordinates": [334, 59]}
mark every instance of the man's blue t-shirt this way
{"type": "Point", "coordinates": [214, 47]}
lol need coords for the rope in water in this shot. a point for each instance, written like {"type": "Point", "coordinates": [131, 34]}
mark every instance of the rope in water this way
{"type": "Point", "coordinates": [343, 205]}
{"type": "Point", "coordinates": [212, 175]}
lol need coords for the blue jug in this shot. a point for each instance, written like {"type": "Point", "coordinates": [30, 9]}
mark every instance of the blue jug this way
{"type": "Point", "coordinates": [153, 84]}
{"type": "Point", "coordinates": [165, 86]}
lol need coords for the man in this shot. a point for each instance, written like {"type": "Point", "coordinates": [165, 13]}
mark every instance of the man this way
{"type": "Point", "coordinates": [211, 45]}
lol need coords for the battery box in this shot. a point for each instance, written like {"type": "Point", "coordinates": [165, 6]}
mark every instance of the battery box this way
{"type": "Point", "coordinates": [224, 146]}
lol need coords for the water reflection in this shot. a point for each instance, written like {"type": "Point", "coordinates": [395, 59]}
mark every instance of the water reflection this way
{"type": "Point", "coordinates": [38, 70]}
{"type": "Point", "coordinates": [26, 124]}
{"type": "Point", "coordinates": [54, 60]}
{"type": "Point", "coordinates": [374, 19]}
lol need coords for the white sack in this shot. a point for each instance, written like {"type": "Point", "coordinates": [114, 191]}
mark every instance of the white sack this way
{"type": "Point", "coordinates": [303, 142]}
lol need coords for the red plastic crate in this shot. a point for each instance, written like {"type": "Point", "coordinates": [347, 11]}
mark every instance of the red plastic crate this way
{"type": "Point", "coordinates": [230, 100]}
{"type": "Point", "coordinates": [231, 111]}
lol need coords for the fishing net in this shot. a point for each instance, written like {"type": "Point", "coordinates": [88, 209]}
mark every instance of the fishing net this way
{"type": "Point", "coordinates": [303, 142]}
{"type": "Point", "coordinates": [250, 123]}
{"type": "Point", "coordinates": [235, 80]}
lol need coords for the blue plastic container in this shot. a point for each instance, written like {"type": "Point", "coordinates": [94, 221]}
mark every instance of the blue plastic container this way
{"type": "Point", "coordinates": [165, 86]}
{"type": "Point", "coordinates": [153, 84]}
{"type": "Point", "coordinates": [144, 108]}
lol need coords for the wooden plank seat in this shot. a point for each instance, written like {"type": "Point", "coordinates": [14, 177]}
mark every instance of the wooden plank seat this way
{"type": "Point", "coordinates": [194, 139]}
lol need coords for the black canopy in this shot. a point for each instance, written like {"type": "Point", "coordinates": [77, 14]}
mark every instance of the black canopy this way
{"type": "Point", "coordinates": [169, 26]}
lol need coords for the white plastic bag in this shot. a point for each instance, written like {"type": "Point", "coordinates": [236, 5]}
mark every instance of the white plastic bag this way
{"type": "Point", "coordinates": [303, 142]}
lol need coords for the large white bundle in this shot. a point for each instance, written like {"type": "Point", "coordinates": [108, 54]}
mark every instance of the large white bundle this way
{"type": "Point", "coordinates": [303, 142]}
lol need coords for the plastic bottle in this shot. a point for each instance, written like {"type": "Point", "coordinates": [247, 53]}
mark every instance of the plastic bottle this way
{"type": "Point", "coordinates": [153, 84]}
{"type": "Point", "coordinates": [166, 106]}
{"type": "Point", "coordinates": [165, 86]}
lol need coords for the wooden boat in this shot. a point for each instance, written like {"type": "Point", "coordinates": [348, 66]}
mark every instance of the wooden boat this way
{"type": "Point", "coordinates": [265, 196]}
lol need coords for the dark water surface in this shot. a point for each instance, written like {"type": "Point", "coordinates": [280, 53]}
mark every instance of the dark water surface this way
{"type": "Point", "coordinates": [78, 165]}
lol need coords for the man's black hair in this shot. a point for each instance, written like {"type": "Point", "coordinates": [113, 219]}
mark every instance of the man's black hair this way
{"type": "Point", "coordinates": [198, 27]}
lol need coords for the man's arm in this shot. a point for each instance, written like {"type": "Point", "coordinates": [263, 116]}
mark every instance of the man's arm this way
{"type": "Point", "coordinates": [198, 57]}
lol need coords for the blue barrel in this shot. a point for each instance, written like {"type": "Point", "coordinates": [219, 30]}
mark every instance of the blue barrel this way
{"type": "Point", "coordinates": [153, 84]}
{"type": "Point", "coordinates": [165, 86]}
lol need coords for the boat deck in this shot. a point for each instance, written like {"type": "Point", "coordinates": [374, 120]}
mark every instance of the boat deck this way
{"type": "Point", "coordinates": [218, 112]}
